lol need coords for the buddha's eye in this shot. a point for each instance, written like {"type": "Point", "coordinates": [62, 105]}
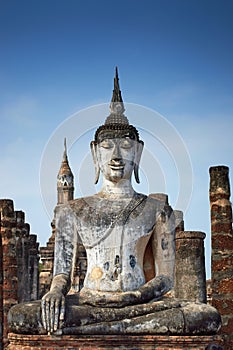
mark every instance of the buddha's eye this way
{"type": "Point", "coordinates": [106, 144]}
{"type": "Point", "coordinates": [126, 143]}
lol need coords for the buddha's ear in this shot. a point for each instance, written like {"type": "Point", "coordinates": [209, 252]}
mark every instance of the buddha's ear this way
{"type": "Point", "coordinates": [95, 160]}
{"type": "Point", "coordinates": [138, 154]}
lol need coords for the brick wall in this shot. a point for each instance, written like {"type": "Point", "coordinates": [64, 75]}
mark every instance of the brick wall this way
{"type": "Point", "coordinates": [19, 262]}
{"type": "Point", "coordinates": [222, 247]}
{"type": "Point", "coordinates": [9, 261]}
{"type": "Point", "coordinates": [106, 342]}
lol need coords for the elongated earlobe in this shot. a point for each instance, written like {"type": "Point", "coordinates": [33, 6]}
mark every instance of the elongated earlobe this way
{"type": "Point", "coordinates": [137, 160]}
{"type": "Point", "coordinates": [136, 167]}
{"type": "Point", "coordinates": [95, 160]}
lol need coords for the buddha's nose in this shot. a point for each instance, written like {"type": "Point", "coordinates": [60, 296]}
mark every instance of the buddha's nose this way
{"type": "Point", "coordinates": [116, 155]}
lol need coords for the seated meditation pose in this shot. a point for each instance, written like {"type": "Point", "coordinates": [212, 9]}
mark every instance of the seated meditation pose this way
{"type": "Point", "coordinates": [122, 232]}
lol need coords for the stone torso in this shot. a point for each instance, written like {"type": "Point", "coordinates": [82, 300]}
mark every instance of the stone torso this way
{"type": "Point", "coordinates": [115, 233]}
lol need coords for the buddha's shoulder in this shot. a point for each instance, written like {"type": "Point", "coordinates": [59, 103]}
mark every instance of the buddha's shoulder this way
{"type": "Point", "coordinates": [77, 204]}
{"type": "Point", "coordinates": [82, 204]}
{"type": "Point", "coordinates": [70, 206]}
{"type": "Point", "coordinates": [160, 200]}
{"type": "Point", "coordinates": [157, 199]}
{"type": "Point", "coordinates": [95, 202]}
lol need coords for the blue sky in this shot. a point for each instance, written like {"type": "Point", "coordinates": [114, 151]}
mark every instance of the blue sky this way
{"type": "Point", "coordinates": [58, 57]}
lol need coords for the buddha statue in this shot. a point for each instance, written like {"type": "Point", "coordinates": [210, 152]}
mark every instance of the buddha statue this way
{"type": "Point", "coordinates": [121, 230]}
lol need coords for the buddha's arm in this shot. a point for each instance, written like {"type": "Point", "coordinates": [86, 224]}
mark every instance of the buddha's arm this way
{"type": "Point", "coordinates": [53, 303]}
{"type": "Point", "coordinates": [163, 244]}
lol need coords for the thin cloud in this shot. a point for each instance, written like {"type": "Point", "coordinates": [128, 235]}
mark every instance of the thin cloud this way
{"type": "Point", "coordinates": [175, 95]}
{"type": "Point", "coordinates": [22, 113]}
{"type": "Point", "coordinates": [19, 168]}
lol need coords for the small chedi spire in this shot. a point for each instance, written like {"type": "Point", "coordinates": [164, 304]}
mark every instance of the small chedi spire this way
{"type": "Point", "coordinates": [65, 180]}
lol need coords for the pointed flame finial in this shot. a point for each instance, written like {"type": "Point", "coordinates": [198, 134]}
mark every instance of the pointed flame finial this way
{"type": "Point", "coordinates": [116, 105]}
{"type": "Point", "coordinates": [65, 151]}
{"type": "Point", "coordinates": [116, 96]}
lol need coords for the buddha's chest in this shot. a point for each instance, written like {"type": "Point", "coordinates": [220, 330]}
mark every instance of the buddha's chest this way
{"type": "Point", "coordinates": [114, 224]}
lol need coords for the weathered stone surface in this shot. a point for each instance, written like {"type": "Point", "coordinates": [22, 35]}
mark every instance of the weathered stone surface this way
{"type": "Point", "coordinates": [167, 316]}
{"type": "Point", "coordinates": [201, 319]}
{"type": "Point", "coordinates": [190, 278]}
{"type": "Point", "coordinates": [179, 220]}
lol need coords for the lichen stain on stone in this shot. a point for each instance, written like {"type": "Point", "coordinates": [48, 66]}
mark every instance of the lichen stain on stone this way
{"type": "Point", "coordinates": [164, 243]}
{"type": "Point", "coordinates": [132, 261]}
{"type": "Point", "coordinates": [96, 273]}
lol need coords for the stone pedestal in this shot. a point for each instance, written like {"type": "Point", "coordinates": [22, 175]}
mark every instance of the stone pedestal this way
{"type": "Point", "coordinates": [107, 342]}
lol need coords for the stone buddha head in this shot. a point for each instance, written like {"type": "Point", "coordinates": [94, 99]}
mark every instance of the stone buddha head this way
{"type": "Point", "coordinates": [116, 149]}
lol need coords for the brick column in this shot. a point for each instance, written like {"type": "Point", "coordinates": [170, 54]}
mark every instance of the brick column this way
{"type": "Point", "coordinates": [22, 250]}
{"type": "Point", "coordinates": [190, 277]}
{"type": "Point", "coordinates": [33, 268]}
{"type": "Point", "coordinates": [222, 246]}
{"type": "Point", "coordinates": [10, 283]}
{"type": "Point", "coordinates": [1, 291]}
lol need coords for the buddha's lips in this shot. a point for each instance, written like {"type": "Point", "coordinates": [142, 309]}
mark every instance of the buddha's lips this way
{"type": "Point", "coordinates": [116, 166]}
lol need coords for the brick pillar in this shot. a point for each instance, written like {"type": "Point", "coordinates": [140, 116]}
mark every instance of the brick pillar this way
{"type": "Point", "coordinates": [10, 283]}
{"type": "Point", "coordinates": [222, 246]}
{"type": "Point", "coordinates": [33, 269]}
{"type": "Point", "coordinates": [25, 262]}
{"type": "Point", "coordinates": [22, 253]}
{"type": "Point", "coordinates": [190, 277]}
{"type": "Point", "coordinates": [1, 291]}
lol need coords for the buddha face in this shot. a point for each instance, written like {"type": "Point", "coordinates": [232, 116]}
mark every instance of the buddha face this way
{"type": "Point", "coordinates": [116, 158]}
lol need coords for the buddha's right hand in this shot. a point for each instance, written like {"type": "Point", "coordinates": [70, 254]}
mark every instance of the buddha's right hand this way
{"type": "Point", "coordinates": [53, 310]}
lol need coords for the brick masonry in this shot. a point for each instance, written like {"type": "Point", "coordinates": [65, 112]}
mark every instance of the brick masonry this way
{"type": "Point", "coordinates": [107, 342]}
{"type": "Point", "coordinates": [19, 262]}
{"type": "Point", "coordinates": [222, 247]}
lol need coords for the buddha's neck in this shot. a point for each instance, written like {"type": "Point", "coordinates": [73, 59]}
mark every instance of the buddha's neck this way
{"type": "Point", "coordinates": [122, 188]}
